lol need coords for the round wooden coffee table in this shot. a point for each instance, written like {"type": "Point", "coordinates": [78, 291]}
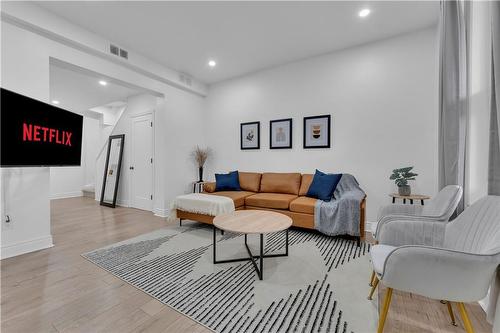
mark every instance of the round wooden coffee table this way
{"type": "Point", "coordinates": [252, 222]}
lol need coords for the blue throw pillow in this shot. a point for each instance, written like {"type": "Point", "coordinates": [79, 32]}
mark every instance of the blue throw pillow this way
{"type": "Point", "coordinates": [323, 185]}
{"type": "Point", "coordinates": [227, 182]}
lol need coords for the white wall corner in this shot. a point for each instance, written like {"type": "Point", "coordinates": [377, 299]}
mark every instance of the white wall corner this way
{"type": "Point", "coordinates": [23, 247]}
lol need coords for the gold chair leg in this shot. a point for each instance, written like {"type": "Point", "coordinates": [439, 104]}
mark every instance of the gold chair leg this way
{"type": "Point", "coordinates": [371, 279]}
{"type": "Point", "coordinates": [374, 287]}
{"type": "Point", "coordinates": [385, 310]}
{"type": "Point", "coordinates": [465, 318]}
{"type": "Point", "coordinates": [450, 311]}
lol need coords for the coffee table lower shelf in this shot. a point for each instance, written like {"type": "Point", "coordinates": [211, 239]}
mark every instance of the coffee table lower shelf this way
{"type": "Point", "coordinates": [259, 270]}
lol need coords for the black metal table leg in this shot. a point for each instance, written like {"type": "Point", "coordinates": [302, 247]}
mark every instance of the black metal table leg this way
{"type": "Point", "coordinates": [411, 201]}
{"type": "Point", "coordinates": [215, 241]}
{"type": "Point", "coordinates": [404, 201]}
{"type": "Point", "coordinates": [261, 270]}
{"type": "Point", "coordinates": [286, 242]}
{"type": "Point", "coordinates": [258, 269]}
{"type": "Point", "coordinates": [422, 202]}
{"type": "Point", "coordinates": [393, 199]}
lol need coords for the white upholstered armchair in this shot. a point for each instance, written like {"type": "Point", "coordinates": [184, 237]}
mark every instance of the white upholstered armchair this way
{"type": "Point", "coordinates": [415, 224]}
{"type": "Point", "coordinates": [461, 270]}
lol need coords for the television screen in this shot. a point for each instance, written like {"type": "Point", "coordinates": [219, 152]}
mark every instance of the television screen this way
{"type": "Point", "coordinates": [34, 133]}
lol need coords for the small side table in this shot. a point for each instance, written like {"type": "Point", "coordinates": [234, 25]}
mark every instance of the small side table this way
{"type": "Point", "coordinates": [198, 186]}
{"type": "Point", "coordinates": [411, 197]}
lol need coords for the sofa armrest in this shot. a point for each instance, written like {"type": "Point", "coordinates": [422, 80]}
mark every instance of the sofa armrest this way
{"type": "Point", "coordinates": [398, 209]}
{"type": "Point", "coordinates": [410, 230]}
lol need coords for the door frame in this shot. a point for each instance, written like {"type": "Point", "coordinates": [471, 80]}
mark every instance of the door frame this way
{"type": "Point", "coordinates": [151, 112]}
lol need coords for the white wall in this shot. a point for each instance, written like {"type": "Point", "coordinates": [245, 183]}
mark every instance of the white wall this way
{"type": "Point", "coordinates": [92, 133]}
{"type": "Point", "coordinates": [67, 182]}
{"type": "Point", "coordinates": [27, 72]}
{"type": "Point", "coordinates": [383, 99]}
{"type": "Point", "coordinates": [480, 97]}
{"type": "Point", "coordinates": [25, 190]}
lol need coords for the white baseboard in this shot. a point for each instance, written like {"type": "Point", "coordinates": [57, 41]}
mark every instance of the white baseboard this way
{"type": "Point", "coordinates": [66, 195]}
{"type": "Point", "coordinates": [26, 247]}
{"type": "Point", "coordinates": [161, 212]}
{"type": "Point", "coordinates": [122, 203]}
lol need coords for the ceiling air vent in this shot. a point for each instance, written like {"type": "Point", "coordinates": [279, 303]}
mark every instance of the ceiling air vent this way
{"type": "Point", "coordinates": [114, 49]}
{"type": "Point", "coordinates": [123, 53]}
{"type": "Point", "coordinates": [117, 51]}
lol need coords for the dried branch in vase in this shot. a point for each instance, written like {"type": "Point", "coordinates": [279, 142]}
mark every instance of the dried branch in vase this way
{"type": "Point", "coordinates": [201, 155]}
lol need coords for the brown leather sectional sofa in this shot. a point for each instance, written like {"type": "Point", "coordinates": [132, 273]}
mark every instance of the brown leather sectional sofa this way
{"type": "Point", "coordinates": [281, 192]}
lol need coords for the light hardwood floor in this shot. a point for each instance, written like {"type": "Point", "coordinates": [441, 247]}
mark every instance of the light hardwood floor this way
{"type": "Point", "coordinates": [57, 290]}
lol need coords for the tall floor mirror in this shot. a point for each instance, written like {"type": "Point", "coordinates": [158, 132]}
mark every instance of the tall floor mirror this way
{"type": "Point", "coordinates": [112, 170]}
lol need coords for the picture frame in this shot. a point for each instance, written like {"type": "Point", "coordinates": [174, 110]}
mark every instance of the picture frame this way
{"type": "Point", "coordinates": [250, 135]}
{"type": "Point", "coordinates": [280, 133]}
{"type": "Point", "coordinates": [317, 131]}
{"type": "Point", "coordinates": [112, 170]}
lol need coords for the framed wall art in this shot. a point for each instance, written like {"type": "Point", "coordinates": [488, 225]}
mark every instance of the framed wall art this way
{"type": "Point", "coordinates": [250, 135]}
{"type": "Point", "coordinates": [280, 133]}
{"type": "Point", "coordinates": [317, 131]}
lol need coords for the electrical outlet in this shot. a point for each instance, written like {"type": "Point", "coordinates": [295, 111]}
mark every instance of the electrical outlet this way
{"type": "Point", "coordinates": [7, 222]}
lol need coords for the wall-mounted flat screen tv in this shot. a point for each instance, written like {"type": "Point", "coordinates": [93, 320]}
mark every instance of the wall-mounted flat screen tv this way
{"type": "Point", "coordinates": [34, 133]}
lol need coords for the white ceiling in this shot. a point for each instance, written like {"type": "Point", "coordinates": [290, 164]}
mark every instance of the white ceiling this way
{"type": "Point", "coordinates": [77, 91]}
{"type": "Point", "coordinates": [242, 37]}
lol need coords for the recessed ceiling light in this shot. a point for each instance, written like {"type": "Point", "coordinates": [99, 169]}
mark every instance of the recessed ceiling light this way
{"type": "Point", "coordinates": [212, 63]}
{"type": "Point", "coordinates": [364, 12]}
{"type": "Point", "coordinates": [103, 83]}
{"type": "Point", "coordinates": [55, 102]}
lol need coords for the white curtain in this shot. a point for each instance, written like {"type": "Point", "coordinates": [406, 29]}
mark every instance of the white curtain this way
{"type": "Point", "coordinates": [494, 156]}
{"type": "Point", "coordinates": [453, 94]}
{"type": "Point", "coordinates": [493, 311]}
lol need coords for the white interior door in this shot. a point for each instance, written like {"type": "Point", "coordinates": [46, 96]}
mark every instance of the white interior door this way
{"type": "Point", "coordinates": [141, 168]}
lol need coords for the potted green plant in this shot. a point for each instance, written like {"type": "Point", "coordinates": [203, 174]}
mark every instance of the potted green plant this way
{"type": "Point", "coordinates": [401, 177]}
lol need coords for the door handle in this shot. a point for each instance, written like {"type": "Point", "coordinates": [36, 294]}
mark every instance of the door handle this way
{"type": "Point", "coordinates": [131, 168]}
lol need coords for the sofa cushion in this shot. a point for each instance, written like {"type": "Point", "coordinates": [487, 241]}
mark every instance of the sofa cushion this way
{"type": "Point", "coordinates": [250, 181]}
{"type": "Point", "coordinates": [303, 205]}
{"type": "Point", "coordinates": [227, 182]}
{"type": "Point", "coordinates": [323, 185]}
{"type": "Point", "coordinates": [237, 196]}
{"type": "Point", "coordinates": [287, 183]}
{"type": "Point", "coordinates": [270, 200]}
{"type": "Point", "coordinates": [307, 179]}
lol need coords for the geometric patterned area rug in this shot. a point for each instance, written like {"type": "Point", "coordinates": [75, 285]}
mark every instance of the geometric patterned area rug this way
{"type": "Point", "coordinates": [320, 287]}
